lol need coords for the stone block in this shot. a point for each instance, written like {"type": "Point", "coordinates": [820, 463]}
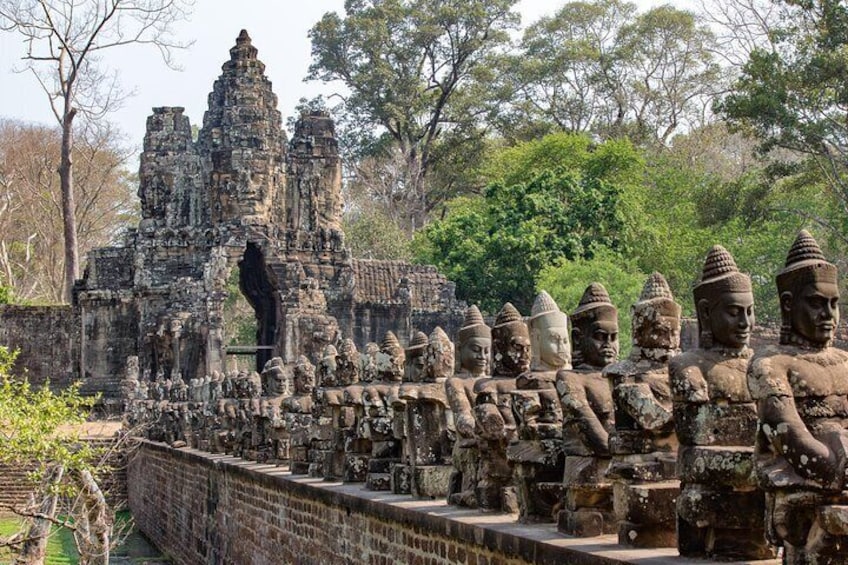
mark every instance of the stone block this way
{"type": "Point", "coordinates": [650, 503]}
{"type": "Point", "coordinates": [717, 466]}
{"type": "Point", "coordinates": [580, 470]}
{"type": "Point", "coordinates": [834, 519]}
{"type": "Point", "coordinates": [591, 496]}
{"type": "Point", "coordinates": [586, 523]}
{"type": "Point", "coordinates": [356, 468]}
{"type": "Point", "coordinates": [729, 509]}
{"type": "Point", "coordinates": [716, 424]}
{"type": "Point", "coordinates": [379, 481]}
{"type": "Point", "coordinates": [401, 481]}
{"type": "Point", "coordinates": [647, 535]}
{"type": "Point", "coordinates": [431, 481]}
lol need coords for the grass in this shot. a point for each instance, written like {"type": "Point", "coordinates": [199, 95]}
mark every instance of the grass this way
{"type": "Point", "coordinates": [61, 549]}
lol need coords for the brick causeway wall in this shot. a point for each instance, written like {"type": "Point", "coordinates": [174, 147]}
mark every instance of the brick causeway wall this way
{"type": "Point", "coordinates": [202, 508]}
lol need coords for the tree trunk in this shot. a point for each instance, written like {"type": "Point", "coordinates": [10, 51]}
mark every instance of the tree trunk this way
{"type": "Point", "coordinates": [35, 547]}
{"type": "Point", "coordinates": [69, 219]}
{"type": "Point", "coordinates": [94, 526]}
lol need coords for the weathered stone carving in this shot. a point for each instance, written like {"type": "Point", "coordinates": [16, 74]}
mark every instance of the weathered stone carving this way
{"type": "Point", "coordinates": [536, 451]}
{"type": "Point", "coordinates": [801, 389]}
{"type": "Point", "coordinates": [719, 511]}
{"type": "Point", "coordinates": [493, 410]}
{"type": "Point", "coordinates": [297, 413]}
{"type": "Point", "coordinates": [643, 444]}
{"type": "Point", "coordinates": [331, 418]}
{"type": "Point", "coordinates": [241, 197]}
{"type": "Point", "coordinates": [379, 414]}
{"type": "Point", "coordinates": [426, 442]}
{"type": "Point", "coordinates": [412, 375]}
{"type": "Point", "coordinates": [588, 417]}
{"type": "Point", "coordinates": [474, 346]}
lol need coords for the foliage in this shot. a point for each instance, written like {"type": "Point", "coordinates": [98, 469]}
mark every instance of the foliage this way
{"type": "Point", "coordinates": [409, 66]}
{"type": "Point", "coordinates": [37, 425]}
{"type": "Point", "coordinates": [494, 246]}
{"type": "Point", "coordinates": [31, 245]}
{"type": "Point", "coordinates": [600, 67]}
{"type": "Point", "coordinates": [566, 280]}
{"type": "Point", "coordinates": [239, 317]}
{"type": "Point", "coordinates": [369, 234]}
{"type": "Point", "coordinates": [792, 93]}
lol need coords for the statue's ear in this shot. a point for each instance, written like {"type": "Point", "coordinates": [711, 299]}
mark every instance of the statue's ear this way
{"type": "Point", "coordinates": [704, 310]}
{"type": "Point", "coordinates": [576, 335]}
{"type": "Point", "coordinates": [786, 301]}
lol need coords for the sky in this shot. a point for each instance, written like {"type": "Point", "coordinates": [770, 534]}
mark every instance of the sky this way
{"type": "Point", "coordinates": [278, 29]}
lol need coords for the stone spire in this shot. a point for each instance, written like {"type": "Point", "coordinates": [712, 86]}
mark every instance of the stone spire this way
{"type": "Point", "coordinates": [242, 141]}
{"type": "Point", "coordinates": [805, 262]}
{"type": "Point", "coordinates": [595, 297]}
{"type": "Point", "coordinates": [473, 325]}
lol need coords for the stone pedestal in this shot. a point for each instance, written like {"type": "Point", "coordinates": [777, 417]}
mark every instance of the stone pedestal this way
{"type": "Point", "coordinates": [588, 505]}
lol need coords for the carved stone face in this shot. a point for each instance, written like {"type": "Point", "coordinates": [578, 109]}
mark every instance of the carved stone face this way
{"type": "Point", "coordinates": [599, 343]}
{"type": "Point", "coordinates": [474, 355]}
{"type": "Point", "coordinates": [814, 312]}
{"type": "Point", "coordinates": [414, 365]}
{"type": "Point", "coordinates": [551, 345]}
{"type": "Point", "coordinates": [729, 318]}
{"type": "Point", "coordinates": [515, 357]}
{"type": "Point", "coordinates": [304, 379]}
{"type": "Point", "coordinates": [656, 331]}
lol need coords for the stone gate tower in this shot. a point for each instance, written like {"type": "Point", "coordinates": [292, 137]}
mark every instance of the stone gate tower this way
{"type": "Point", "coordinates": [241, 195]}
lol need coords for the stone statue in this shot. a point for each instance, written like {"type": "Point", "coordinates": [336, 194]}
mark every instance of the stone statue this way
{"type": "Point", "coordinates": [474, 347]}
{"type": "Point", "coordinates": [297, 414]}
{"type": "Point", "coordinates": [588, 416]}
{"type": "Point", "coordinates": [329, 418]}
{"type": "Point", "coordinates": [273, 441]}
{"type": "Point", "coordinates": [536, 451]}
{"type": "Point", "coordinates": [412, 375]}
{"type": "Point", "coordinates": [369, 362]}
{"type": "Point", "coordinates": [719, 511]}
{"type": "Point", "coordinates": [493, 410]}
{"type": "Point", "coordinates": [643, 444]}
{"type": "Point", "coordinates": [326, 370]}
{"type": "Point", "coordinates": [379, 416]}
{"type": "Point", "coordinates": [348, 364]}
{"type": "Point", "coordinates": [801, 390]}
{"type": "Point", "coordinates": [426, 420]}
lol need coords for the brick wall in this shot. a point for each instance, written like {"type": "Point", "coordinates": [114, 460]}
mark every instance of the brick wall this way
{"type": "Point", "coordinates": [203, 508]}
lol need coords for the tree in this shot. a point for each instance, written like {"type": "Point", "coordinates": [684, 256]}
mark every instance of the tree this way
{"type": "Point", "coordinates": [600, 67]}
{"type": "Point", "coordinates": [494, 246]}
{"type": "Point", "coordinates": [566, 281]}
{"type": "Point", "coordinates": [408, 65]}
{"type": "Point", "coordinates": [793, 94]}
{"type": "Point", "coordinates": [64, 40]}
{"type": "Point", "coordinates": [31, 245]}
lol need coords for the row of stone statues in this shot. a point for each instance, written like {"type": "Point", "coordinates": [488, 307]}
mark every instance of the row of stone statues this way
{"type": "Point", "coordinates": [721, 452]}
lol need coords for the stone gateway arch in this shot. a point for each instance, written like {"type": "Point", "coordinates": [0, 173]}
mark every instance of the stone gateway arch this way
{"type": "Point", "coordinates": [244, 196]}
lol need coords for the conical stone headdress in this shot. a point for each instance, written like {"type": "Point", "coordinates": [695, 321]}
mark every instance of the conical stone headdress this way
{"type": "Point", "coordinates": [545, 310]}
{"type": "Point", "coordinates": [720, 275]}
{"type": "Point", "coordinates": [418, 341]}
{"type": "Point", "coordinates": [390, 344]}
{"type": "Point", "coordinates": [473, 326]}
{"type": "Point", "coordinates": [656, 294]}
{"type": "Point", "coordinates": [805, 263]}
{"type": "Point", "coordinates": [595, 304]}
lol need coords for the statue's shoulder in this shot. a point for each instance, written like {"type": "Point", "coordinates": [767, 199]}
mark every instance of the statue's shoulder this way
{"type": "Point", "coordinates": [768, 371]}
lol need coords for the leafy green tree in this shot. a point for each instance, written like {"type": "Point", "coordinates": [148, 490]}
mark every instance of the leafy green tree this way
{"type": "Point", "coordinates": [494, 246]}
{"type": "Point", "coordinates": [369, 234]}
{"type": "Point", "coordinates": [408, 66]}
{"type": "Point", "coordinates": [565, 281]}
{"type": "Point", "coordinates": [792, 94]}
{"type": "Point", "coordinates": [40, 430]}
{"type": "Point", "coordinates": [598, 66]}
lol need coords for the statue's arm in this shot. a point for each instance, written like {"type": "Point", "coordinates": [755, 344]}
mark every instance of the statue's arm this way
{"type": "Point", "coordinates": [780, 422]}
{"type": "Point", "coordinates": [576, 407]}
{"type": "Point", "coordinates": [687, 382]}
{"type": "Point", "coordinates": [460, 405]}
{"type": "Point", "coordinates": [640, 404]}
